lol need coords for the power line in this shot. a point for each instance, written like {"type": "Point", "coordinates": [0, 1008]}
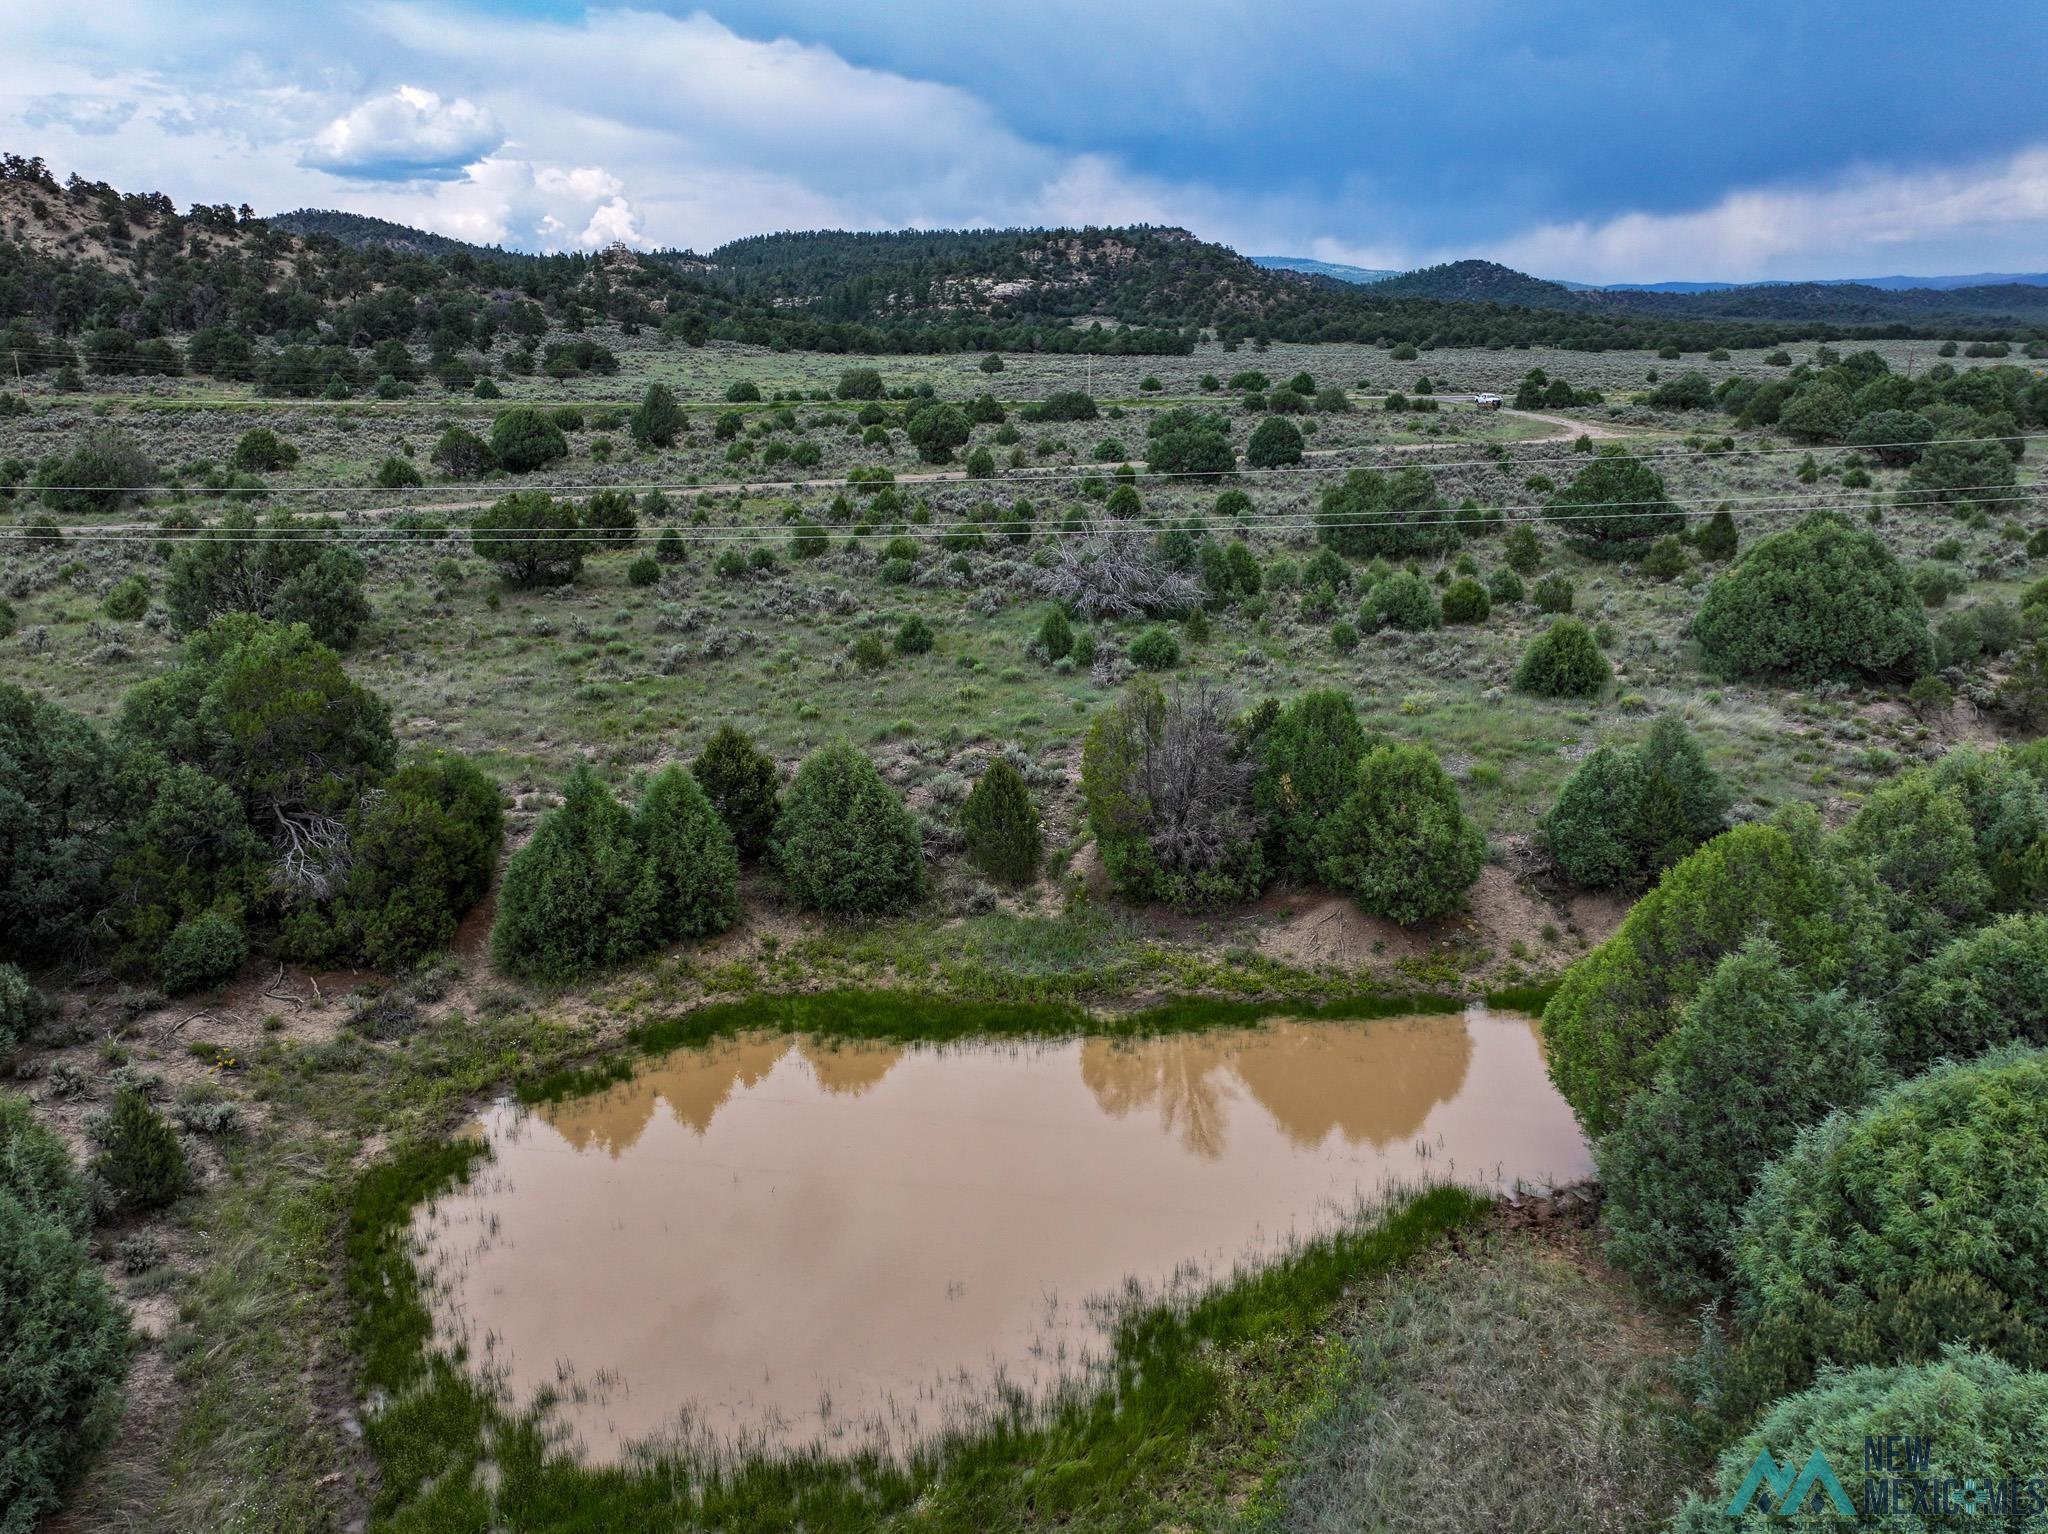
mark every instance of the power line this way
{"type": "Point", "coordinates": [956, 476]}
{"type": "Point", "coordinates": [2020, 492]}
{"type": "Point", "coordinates": [1470, 519]}
{"type": "Point", "coordinates": [2003, 494]}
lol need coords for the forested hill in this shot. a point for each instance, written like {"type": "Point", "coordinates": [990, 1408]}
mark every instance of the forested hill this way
{"type": "Point", "coordinates": [360, 231]}
{"type": "Point", "coordinates": [1835, 303]}
{"type": "Point", "coordinates": [81, 257]}
{"type": "Point", "coordinates": [1135, 276]}
{"type": "Point", "coordinates": [1480, 282]}
{"type": "Point", "coordinates": [1845, 303]}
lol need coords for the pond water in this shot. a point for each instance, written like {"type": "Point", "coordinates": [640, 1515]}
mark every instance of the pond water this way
{"type": "Point", "coordinates": [774, 1243]}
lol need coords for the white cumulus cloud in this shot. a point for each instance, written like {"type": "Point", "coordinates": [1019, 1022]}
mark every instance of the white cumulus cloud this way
{"type": "Point", "coordinates": [1867, 219]}
{"type": "Point", "coordinates": [717, 134]}
{"type": "Point", "coordinates": [569, 126]}
{"type": "Point", "coordinates": [405, 134]}
{"type": "Point", "coordinates": [504, 200]}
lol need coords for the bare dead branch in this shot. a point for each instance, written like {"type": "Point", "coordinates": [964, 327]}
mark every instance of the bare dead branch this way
{"type": "Point", "coordinates": [1116, 574]}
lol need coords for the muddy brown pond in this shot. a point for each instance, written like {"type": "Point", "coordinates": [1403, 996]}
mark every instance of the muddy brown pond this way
{"type": "Point", "coordinates": [779, 1244]}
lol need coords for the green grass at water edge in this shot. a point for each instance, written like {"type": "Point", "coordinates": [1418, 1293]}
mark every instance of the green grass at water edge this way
{"type": "Point", "coordinates": [901, 1016]}
{"type": "Point", "coordinates": [1527, 1396]}
{"type": "Point", "coordinates": [1531, 999]}
{"type": "Point", "coordinates": [276, 1309]}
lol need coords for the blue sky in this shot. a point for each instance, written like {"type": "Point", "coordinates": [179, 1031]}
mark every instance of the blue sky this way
{"type": "Point", "coordinates": [1606, 142]}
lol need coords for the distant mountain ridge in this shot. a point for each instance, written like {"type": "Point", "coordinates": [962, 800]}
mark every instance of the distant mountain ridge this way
{"type": "Point", "coordinates": [80, 255]}
{"type": "Point", "coordinates": [1335, 270]}
{"type": "Point", "coordinates": [1164, 275]}
{"type": "Point", "coordinates": [1889, 284]}
{"type": "Point", "coordinates": [1842, 303]}
{"type": "Point", "coordinates": [1364, 275]}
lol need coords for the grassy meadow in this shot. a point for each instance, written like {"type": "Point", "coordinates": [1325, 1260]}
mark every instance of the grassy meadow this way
{"type": "Point", "coordinates": [283, 1383]}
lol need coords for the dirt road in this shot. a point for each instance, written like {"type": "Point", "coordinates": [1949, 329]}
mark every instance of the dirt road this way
{"type": "Point", "coordinates": [1566, 430]}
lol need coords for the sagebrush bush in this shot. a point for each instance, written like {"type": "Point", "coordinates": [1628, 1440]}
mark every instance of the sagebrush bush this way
{"type": "Point", "coordinates": [1563, 662]}
{"type": "Point", "coordinates": [1981, 1420]}
{"type": "Point", "coordinates": [1920, 1220]}
{"type": "Point", "coordinates": [845, 842]}
{"type": "Point", "coordinates": [1400, 843]}
{"type": "Point", "coordinates": [140, 1160]}
{"type": "Point", "coordinates": [1820, 600]}
{"type": "Point", "coordinates": [1605, 1029]}
{"type": "Point", "coordinates": [744, 786]}
{"type": "Point", "coordinates": [1758, 1055]}
{"type": "Point", "coordinates": [1001, 825]}
{"type": "Point", "coordinates": [64, 1349]}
